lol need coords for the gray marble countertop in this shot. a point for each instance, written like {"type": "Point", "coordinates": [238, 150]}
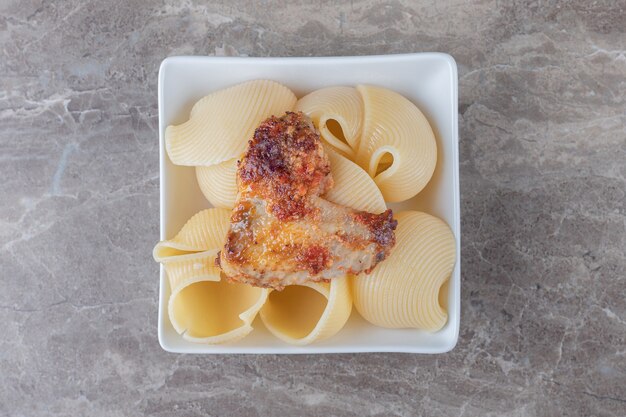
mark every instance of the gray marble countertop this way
{"type": "Point", "coordinates": [542, 116]}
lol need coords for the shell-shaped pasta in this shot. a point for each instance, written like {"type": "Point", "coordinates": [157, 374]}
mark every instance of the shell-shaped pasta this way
{"type": "Point", "coordinates": [353, 186]}
{"type": "Point", "coordinates": [208, 309]}
{"type": "Point", "coordinates": [203, 307]}
{"type": "Point", "coordinates": [205, 230]}
{"type": "Point", "coordinates": [302, 314]}
{"type": "Point", "coordinates": [338, 114]}
{"type": "Point", "coordinates": [191, 265]}
{"type": "Point", "coordinates": [221, 123]}
{"type": "Point", "coordinates": [403, 290]}
{"type": "Point", "coordinates": [393, 127]}
{"type": "Point", "coordinates": [219, 183]}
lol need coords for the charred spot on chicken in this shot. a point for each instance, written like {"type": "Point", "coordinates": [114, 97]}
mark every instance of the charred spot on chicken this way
{"type": "Point", "coordinates": [282, 231]}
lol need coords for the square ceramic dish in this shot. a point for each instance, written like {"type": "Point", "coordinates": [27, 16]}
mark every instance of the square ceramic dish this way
{"type": "Point", "coordinates": [428, 79]}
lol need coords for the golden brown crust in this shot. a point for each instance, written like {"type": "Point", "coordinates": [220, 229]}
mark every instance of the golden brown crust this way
{"type": "Point", "coordinates": [381, 225]}
{"type": "Point", "coordinates": [282, 232]}
{"type": "Point", "coordinates": [315, 258]}
{"type": "Point", "coordinates": [285, 163]}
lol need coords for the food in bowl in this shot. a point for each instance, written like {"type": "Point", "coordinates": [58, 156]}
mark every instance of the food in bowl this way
{"type": "Point", "coordinates": [301, 235]}
{"type": "Point", "coordinates": [282, 231]}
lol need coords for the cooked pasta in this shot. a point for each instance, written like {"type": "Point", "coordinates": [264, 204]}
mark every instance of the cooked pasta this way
{"type": "Point", "coordinates": [208, 309]}
{"type": "Point", "coordinates": [381, 148]}
{"type": "Point", "coordinates": [203, 307]}
{"type": "Point", "coordinates": [302, 314]}
{"type": "Point", "coordinates": [221, 123]}
{"type": "Point", "coordinates": [205, 230]}
{"type": "Point", "coordinates": [192, 265]}
{"type": "Point", "coordinates": [338, 113]}
{"type": "Point", "coordinates": [353, 187]}
{"type": "Point", "coordinates": [395, 134]}
{"type": "Point", "coordinates": [404, 291]}
{"type": "Point", "coordinates": [218, 183]}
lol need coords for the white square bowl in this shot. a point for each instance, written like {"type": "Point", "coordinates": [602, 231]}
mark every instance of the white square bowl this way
{"type": "Point", "coordinates": [427, 79]}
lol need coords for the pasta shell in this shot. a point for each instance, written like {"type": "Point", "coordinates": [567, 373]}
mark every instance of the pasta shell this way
{"type": "Point", "coordinates": [302, 314]}
{"type": "Point", "coordinates": [221, 123]}
{"type": "Point", "coordinates": [396, 136]}
{"type": "Point", "coordinates": [219, 183]}
{"type": "Point", "coordinates": [208, 309]}
{"type": "Point", "coordinates": [338, 114]}
{"type": "Point", "coordinates": [191, 265]}
{"type": "Point", "coordinates": [403, 291]}
{"type": "Point", "coordinates": [353, 187]}
{"type": "Point", "coordinates": [203, 307]}
{"type": "Point", "coordinates": [205, 230]}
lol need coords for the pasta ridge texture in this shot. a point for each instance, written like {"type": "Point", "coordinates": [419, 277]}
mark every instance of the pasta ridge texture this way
{"type": "Point", "coordinates": [222, 122]}
{"type": "Point", "coordinates": [381, 148]}
{"type": "Point", "coordinates": [342, 105]}
{"type": "Point", "coordinates": [292, 318]}
{"type": "Point", "coordinates": [195, 265]}
{"type": "Point", "coordinates": [203, 231]}
{"type": "Point", "coordinates": [218, 183]}
{"type": "Point", "coordinates": [353, 186]}
{"type": "Point", "coordinates": [404, 290]}
{"type": "Point", "coordinates": [397, 136]}
{"type": "Point", "coordinates": [203, 307]}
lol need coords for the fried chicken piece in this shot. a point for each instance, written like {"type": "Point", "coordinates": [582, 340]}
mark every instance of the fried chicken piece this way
{"type": "Point", "coordinates": [282, 232]}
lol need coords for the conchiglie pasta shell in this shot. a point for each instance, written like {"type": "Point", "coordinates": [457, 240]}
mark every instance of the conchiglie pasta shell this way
{"type": "Point", "coordinates": [395, 126]}
{"type": "Point", "coordinates": [208, 309]}
{"type": "Point", "coordinates": [221, 123]}
{"type": "Point", "coordinates": [353, 186]}
{"type": "Point", "coordinates": [403, 291]}
{"type": "Point", "coordinates": [205, 230]}
{"type": "Point", "coordinates": [342, 105]}
{"type": "Point", "coordinates": [219, 183]}
{"type": "Point", "coordinates": [302, 314]}
{"type": "Point", "coordinates": [192, 265]}
{"type": "Point", "coordinates": [203, 307]}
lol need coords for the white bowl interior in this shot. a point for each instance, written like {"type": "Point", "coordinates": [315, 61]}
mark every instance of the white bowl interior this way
{"type": "Point", "coordinates": [429, 80]}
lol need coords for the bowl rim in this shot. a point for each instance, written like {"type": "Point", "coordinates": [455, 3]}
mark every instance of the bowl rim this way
{"type": "Point", "coordinates": [455, 279]}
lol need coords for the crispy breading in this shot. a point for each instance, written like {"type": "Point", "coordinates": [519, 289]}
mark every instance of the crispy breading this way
{"type": "Point", "coordinates": [282, 231]}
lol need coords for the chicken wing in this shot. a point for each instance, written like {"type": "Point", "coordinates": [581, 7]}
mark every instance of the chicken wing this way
{"type": "Point", "coordinates": [282, 231]}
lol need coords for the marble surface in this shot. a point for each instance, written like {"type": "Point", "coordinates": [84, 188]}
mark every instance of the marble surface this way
{"type": "Point", "coordinates": [542, 118]}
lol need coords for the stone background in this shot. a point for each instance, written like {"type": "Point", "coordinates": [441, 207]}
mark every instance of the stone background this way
{"type": "Point", "coordinates": [542, 117]}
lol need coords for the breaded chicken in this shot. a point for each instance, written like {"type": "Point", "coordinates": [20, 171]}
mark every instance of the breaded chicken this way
{"type": "Point", "coordinates": [282, 231]}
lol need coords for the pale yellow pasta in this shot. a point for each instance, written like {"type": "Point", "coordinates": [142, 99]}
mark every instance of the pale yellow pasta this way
{"type": "Point", "coordinates": [203, 307]}
{"type": "Point", "coordinates": [404, 290]}
{"type": "Point", "coordinates": [338, 114]}
{"type": "Point", "coordinates": [302, 314]}
{"type": "Point", "coordinates": [205, 230]}
{"type": "Point", "coordinates": [219, 183]}
{"type": "Point", "coordinates": [221, 123]}
{"type": "Point", "coordinates": [395, 134]}
{"type": "Point", "coordinates": [353, 186]}
{"type": "Point", "coordinates": [190, 266]}
{"type": "Point", "coordinates": [381, 148]}
{"type": "Point", "coordinates": [208, 309]}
